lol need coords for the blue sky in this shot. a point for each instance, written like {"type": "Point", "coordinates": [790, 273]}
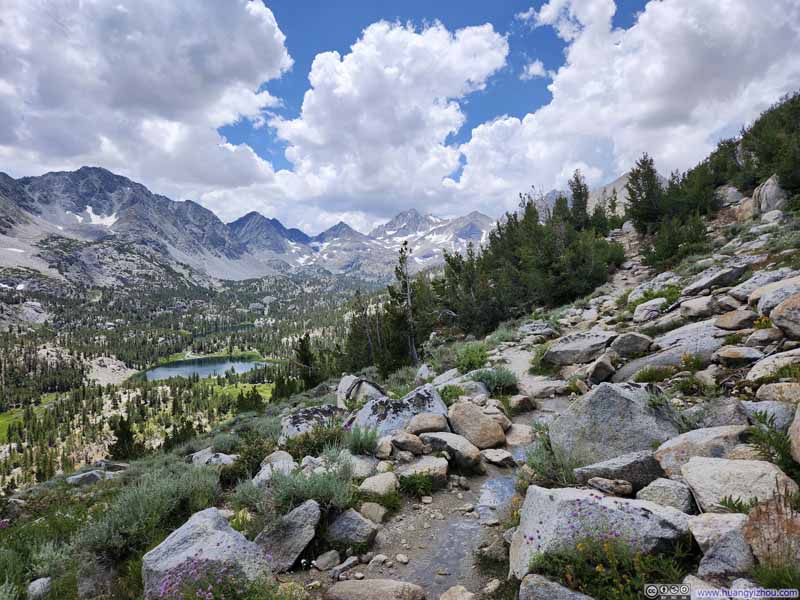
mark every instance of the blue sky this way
{"type": "Point", "coordinates": [314, 26]}
{"type": "Point", "coordinates": [423, 106]}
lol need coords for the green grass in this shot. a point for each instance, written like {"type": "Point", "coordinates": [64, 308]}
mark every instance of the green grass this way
{"type": "Point", "coordinates": [15, 415]}
{"type": "Point", "coordinates": [671, 293]}
{"type": "Point", "coordinates": [418, 484]}
{"type": "Point", "coordinates": [653, 374]}
{"type": "Point", "coordinates": [232, 390]}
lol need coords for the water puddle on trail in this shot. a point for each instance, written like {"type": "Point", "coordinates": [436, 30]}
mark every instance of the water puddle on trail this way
{"type": "Point", "coordinates": [451, 552]}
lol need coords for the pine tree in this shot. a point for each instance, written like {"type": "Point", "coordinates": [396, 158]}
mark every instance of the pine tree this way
{"type": "Point", "coordinates": [644, 195]}
{"type": "Point", "coordinates": [401, 297]}
{"type": "Point", "coordinates": [580, 200]}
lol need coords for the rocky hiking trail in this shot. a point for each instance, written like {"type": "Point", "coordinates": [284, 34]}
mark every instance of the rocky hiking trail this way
{"type": "Point", "coordinates": [654, 388]}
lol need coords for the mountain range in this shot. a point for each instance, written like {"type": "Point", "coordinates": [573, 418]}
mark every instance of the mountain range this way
{"type": "Point", "coordinates": [91, 227]}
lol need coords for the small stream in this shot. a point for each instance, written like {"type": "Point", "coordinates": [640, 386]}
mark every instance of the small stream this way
{"type": "Point", "coordinates": [456, 543]}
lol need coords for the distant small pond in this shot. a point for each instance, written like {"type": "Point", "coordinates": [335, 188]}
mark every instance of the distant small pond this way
{"type": "Point", "coordinates": [202, 367]}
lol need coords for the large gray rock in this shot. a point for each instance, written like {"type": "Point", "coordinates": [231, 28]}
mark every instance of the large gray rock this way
{"type": "Point", "coordinates": [716, 412]}
{"type": "Point", "coordinates": [714, 277]}
{"type": "Point", "coordinates": [612, 420]}
{"type": "Point", "coordinates": [737, 356]}
{"type": "Point", "coordinates": [206, 537]}
{"type": "Point", "coordinates": [374, 589]}
{"type": "Point", "coordinates": [769, 196]}
{"type": "Point", "coordinates": [766, 298]}
{"type": "Point", "coordinates": [434, 467]}
{"type": "Point", "coordinates": [388, 415]}
{"type": "Point", "coordinates": [207, 456]}
{"type": "Point", "coordinates": [305, 419]}
{"type": "Point", "coordinates": [730, 555]}
{"type": "Point", "coordinates": [638, 468]}
{"type": "Point", "coordinates": [711, 441]}
{"type": "Point", "coordinates": [355, 391]}
{"type": "Point", "coordinates": [39, 588]}
{"type": "Point", "coordinates": [699, 308]}
{"type": "Point", "coordinates": [786, 392]}
{"type": "Point", "coordinates": [480, 429]}
{"type": "Point", "coordinates": [578, 348]}
{"type": "Point", "coordinates": [427, 423]}
{"type": "Point", "coordinates": [794, 436]}
{"type": "Point", "coordinates": [379, 485]}
{"type": "Point", "coordinates": [88, 477]}
{"type": "Point", "coordinates": [736, 319]}
{"type": "Point", "coordinates": [630, 345]}
{"type": "Point", "coordinates": [536, 587]}
{"type": "Point", "coordinates": [647, 311]}
{"type": "Point", "coordinates": [699, 339]}
{"type": "Point", "coordinates": [351, 528]}
{"type": "Point", "coordinates": [669, 492]}
{"type": "Point", "coordinates": [556, 519]}
{"type": "Point", "coordinates": [286, 538]}
{"type": "Point", "coordinates": [782, 412]}
{"type": "Point", "coordinates": [277, 462]}
{"type": "Point", "coordinates": [728, 195]}
{"type": "Point", "coordinates": [465, 454]}
{"type": "Point", "coordinates": [786, 316]}
{"type": "Point", "coordinates": [712, 479]}
{"type": "Point", "coordinates": [770, 365]}
{"type": "Point", "coordinates": [759, 279]}
{"type": "Point", "coordinates": [764, 337]}
{"type": "Point", "coordinates": [707, 529]}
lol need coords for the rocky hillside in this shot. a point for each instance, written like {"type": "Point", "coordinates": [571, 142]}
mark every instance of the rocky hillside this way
{"type": "Point", "coordinates": [649, 433]}
{"type": "Point", "coordinates": [94, 227]}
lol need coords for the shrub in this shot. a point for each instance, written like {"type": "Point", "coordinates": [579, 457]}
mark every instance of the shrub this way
{"type": "Point", "coordinates": [538, 366]}
{"type": "Point", "coordinates": [209, 581]}
{"type": "Point", "coordinates": [451, 393]}
{"type": "Point", "coordinates": [608, 568]}
{"type": "Point", "coordinates": [160, 500]}
{"type": "Point", "coordinates": [689, 386]}
{"type": "Point", "coordinates": [401, 382]}
{"type": "Point", "coordinates": [361, 441]}
{"type": "Point", "coordinates": [550, 469]}
{"type": "Point", "coordinates": [691, 362]}
{"type": "Point", "coordinates": [8, 591]}
{"type": "Point", "coordinates": [499, 380]}
{"type": "Point", "coordinates": [676, 239]}
{"type": "Point", "coordinates": [776, 576]}
{"type": "Point", "coordinates": [773, 444]}
{"type": "Point", "coordinates": [471, 356]}
{"type": "Point", "coordinates": [653, 374]}
{"type": "Point", "coordinates": [418, 484]}
{"type": "Point", "coordinates": [248, 495]}
{"type": "Point", "coordinates": [504, 333]}
{"type": "Point", "coordinates": [332, 488]}
{"type": "Point", "coordinates": [315, 441]}
{"type": "Point", "coordinates": [50, 559]}
{"type": "Point", "coordinates": [227, 443]}
{"type": "Point", "coordinates": [670, 293]}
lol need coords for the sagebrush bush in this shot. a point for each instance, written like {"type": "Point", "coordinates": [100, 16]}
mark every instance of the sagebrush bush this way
{"type": "Point", "coordinates": [361, 440]}
{"type": "Point", "coordinates": [50, 559]}
{"type": "Point", "coordinates": [498, 380]}
{"type": "Point", "coordinates": [401, 382]}
{"type": "Point", "coordinates": [504, 333]}
{"type": "Point", "coordinates": [227, 443]}
{"type": "Point", "coordinates": [549, 468]}
{"type": "Point", "coordinates": [247, 495]}
{"type": "Point", "coordinates": [314, 442]}
{"type": "Point", "coordinates": [471, 356]}
{"type": "Point", "coordinates": [332, 488]}
{"type": "Point", "coordinates": [160, 500]}
{"type": "Point", "coordinates": [8, 591]}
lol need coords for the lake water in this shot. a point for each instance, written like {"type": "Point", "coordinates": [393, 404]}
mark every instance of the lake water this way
{"type": "Point", "coordinates": [203, 367]}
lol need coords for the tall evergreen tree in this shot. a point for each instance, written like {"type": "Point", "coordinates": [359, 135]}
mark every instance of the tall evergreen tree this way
{"type": "Point", "coordinates": [580, 200]}
{"type": "Point", "coordinates": [644, 195]}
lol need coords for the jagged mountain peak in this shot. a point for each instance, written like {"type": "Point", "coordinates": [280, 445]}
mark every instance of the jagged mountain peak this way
{"type": "Point", "coordinates": [406, 223]}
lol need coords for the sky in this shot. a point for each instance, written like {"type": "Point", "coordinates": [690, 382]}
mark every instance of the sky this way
{"type": "Point", "coordinates": [316, 111]}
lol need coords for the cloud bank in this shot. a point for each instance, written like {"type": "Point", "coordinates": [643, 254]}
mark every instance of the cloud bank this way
{"type": "Point", "coordinates": [142, 88]}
